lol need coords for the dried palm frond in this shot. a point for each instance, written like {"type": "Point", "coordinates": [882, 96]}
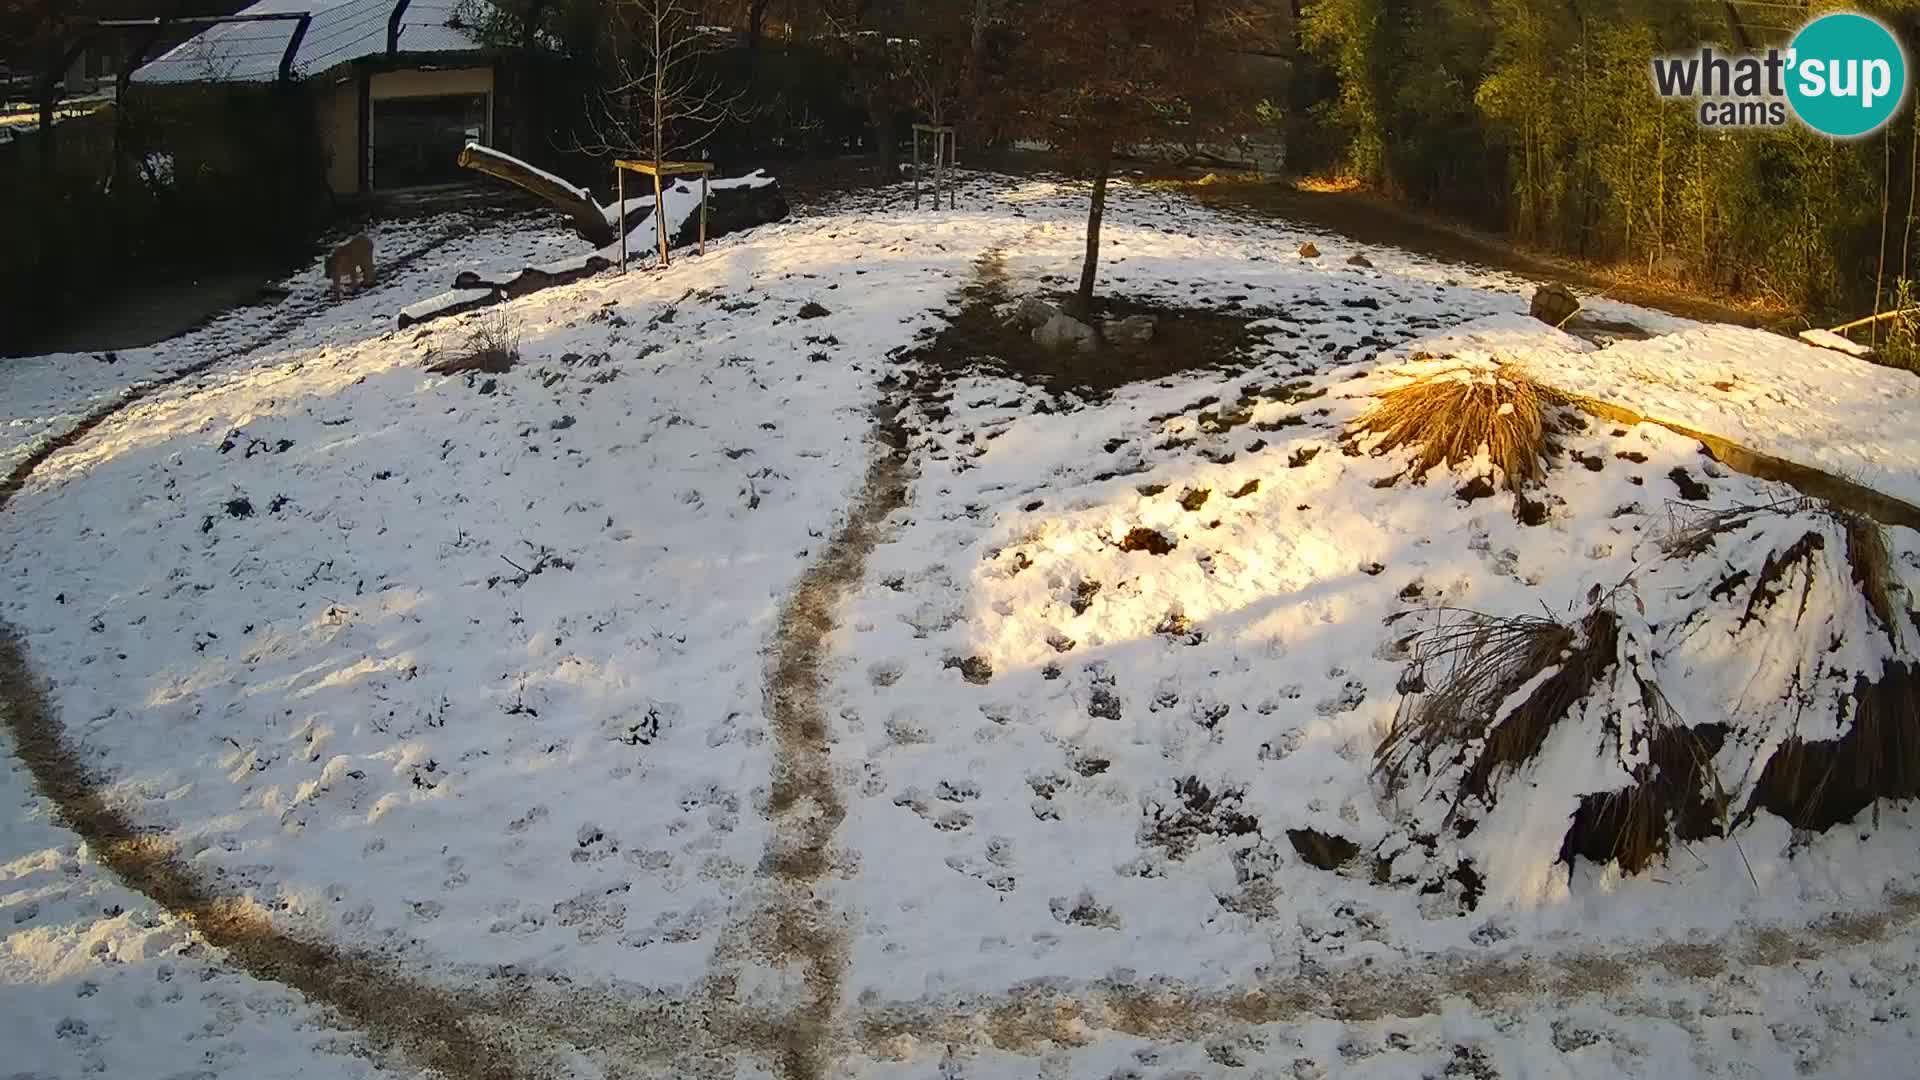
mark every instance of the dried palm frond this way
{"type": "Point", "coordinates": [1816, 785]}
{"type": "Point", "coordinates": [1462, 670]}
{"type": "Point", "coordinates": [1692, 530]}
{"type": "Point", "coordinates": [1872, 565]}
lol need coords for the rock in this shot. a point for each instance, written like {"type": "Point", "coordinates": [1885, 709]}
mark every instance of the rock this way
{"type": "Point", "coordinates": [1034, 312]}
{"type": "Point", "coordinates": [1323, 850]}
{"type": "Point", "coordinates": [1063, 332]}
{"type": "Point", "coordinates": [811, 310]}
{"type": "Point", "coordinates": [729, 210]}
{"type": "Point", "coordinates": [1360, 260]}
{"type": "Point", "coordinates": [1554, 305]}
{"type": "Point", "coordinates": [1308, 251]}
{"type": "Point", "coordinates": [1132, 330]}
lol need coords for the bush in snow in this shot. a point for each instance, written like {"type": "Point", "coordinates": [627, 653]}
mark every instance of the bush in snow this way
{"type": "Point", "coordinates": [1772, 672]}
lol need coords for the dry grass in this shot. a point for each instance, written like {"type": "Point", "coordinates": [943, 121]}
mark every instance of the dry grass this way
{"type": "Point", "coordinates": [1327, 184]}
{"type": "Point", "coordinates": [1465, 719]}
{"type": "Point", "coordinates": [1675, 794]}
{"type": "Point", "coordinates": [1816, 785]}
{"type": "Point", "coordinates": [1693, 531]}
{"type": "Point", "coordinates": [1872, 565]}
{"type": "Point", "coordinates": [1463, 668]}
{"type": "Point", "coordinates": [1451, 415]}
{"type": "Point", "coordinates": [491, 347]}
{"type": "Point", "coordinates": [1868, 556]}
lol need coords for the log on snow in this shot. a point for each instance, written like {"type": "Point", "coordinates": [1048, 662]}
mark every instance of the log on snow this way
{"type": "Point", "coordinates": [585, 214]}
{"type": "Point", "coordinates": [534, 278]}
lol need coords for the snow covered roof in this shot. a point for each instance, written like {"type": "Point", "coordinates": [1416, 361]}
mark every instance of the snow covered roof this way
{"type": "Point", "coordinates": [341, 30]}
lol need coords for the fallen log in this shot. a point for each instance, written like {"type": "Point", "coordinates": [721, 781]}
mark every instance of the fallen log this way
{"type": "Point", "coordinates": [452, 302]}
{"type": "Point", "coordinates": [588, 219]}
{"type": "Point", "coordinates": [1807, 480]}
{"type": "Point", "coordinates": [532, 279]}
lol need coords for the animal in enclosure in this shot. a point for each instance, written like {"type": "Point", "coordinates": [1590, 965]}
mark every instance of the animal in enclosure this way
{"type": "Point", "coordinates": [351, 260]}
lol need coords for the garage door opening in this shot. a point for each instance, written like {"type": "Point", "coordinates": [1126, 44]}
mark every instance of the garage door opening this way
{"type": "Point", "coordinates": [416, 140]}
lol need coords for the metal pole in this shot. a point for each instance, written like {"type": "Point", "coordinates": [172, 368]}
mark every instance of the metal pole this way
{"type": "Point", "coordinates": [703, 213]}
{"type": "Point", "coordinates": [620, 197]}
{"type": "Point", "coordinates": [293, 46]}
{"type": "Point", "coordinates": [393, 25]}
{"type": "Point", "coordinates": [660, 216]}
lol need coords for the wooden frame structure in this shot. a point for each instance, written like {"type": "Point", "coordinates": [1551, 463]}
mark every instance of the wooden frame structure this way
{"type": "Point", "coordinates": [942, 163]}
{"type": "Point", "coordinates": [666, 168]}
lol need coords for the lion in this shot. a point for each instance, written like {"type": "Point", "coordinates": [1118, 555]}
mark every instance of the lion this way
{"type": "Point", "coordinates": [351, 260]}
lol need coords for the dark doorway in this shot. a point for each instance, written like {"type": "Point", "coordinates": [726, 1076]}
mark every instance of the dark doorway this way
{"type": "Point", "coordinates": [417, 140]}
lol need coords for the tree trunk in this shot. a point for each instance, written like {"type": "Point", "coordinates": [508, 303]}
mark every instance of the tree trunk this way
{"type": "Point", "coordinates": [880, 113]}
{"type": "Point", "coordinates": [588, 219]}
{"type": "Point", "coordinates": [756, 27]}
{"type": "Point", "coordinates": [1083, 302]}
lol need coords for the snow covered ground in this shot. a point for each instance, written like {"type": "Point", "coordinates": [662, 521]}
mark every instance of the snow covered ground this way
{"type": "Point", "coordinates": [45, 395]}
{"type": "Point", "coordinates": [469, 672]}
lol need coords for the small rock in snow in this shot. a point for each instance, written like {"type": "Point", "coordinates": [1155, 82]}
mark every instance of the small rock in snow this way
{"type": "Point", "coordinates": [1064, 332]}
{"type": "Point", "coordinates": [1033, 312]}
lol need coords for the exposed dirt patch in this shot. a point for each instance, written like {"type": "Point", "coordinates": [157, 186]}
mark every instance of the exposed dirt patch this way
{"type": "Point", "coordinates": [1323, 850]}
{"type": "Point", "coordinates": [977, 670]}
{"type": "Point", "coordinates": [980, 338]}
{"type": "Point", "coordinates": [1370, 219]}
{"type": "Point", "coordinates": [797, 929]}
{"type": "Point", "coordinates": [1037, 1019]}
{"type": "Point", "coordinates": [1151, 541]}
{"type": "Point", "coordinates": [1195, 810]}
{"type": "Point", "coordinates": [1690, 489]}
{"type": "Point", "coordinates": [1083, 594]}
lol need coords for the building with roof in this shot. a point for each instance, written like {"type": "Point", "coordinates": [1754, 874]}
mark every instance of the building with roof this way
{"type": "Point", "coordinates": [397, 87]}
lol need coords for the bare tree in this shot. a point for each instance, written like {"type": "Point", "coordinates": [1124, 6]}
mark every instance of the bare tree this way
{"type": "Point", "coordinates": [1094, 80]}
{"type": "Point", "coordinates": [664, 101]}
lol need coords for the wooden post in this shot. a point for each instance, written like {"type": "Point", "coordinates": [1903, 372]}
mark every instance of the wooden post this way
{"type": "Point", "coordinates": [620, 197]}
{"type": "Point", "coordinates": [916, 168]}
{"type": "Point", "coordinates": [660, 218]}
{"type": "Point", "coordinates": [703, 213]}
{"type": "Point", "coordinates": [953, 147]}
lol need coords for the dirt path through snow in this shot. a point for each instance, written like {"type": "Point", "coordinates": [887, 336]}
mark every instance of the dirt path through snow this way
{"type": "Point", "coordinates": [799, 927]}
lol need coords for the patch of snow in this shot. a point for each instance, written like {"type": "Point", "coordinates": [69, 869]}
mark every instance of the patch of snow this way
{"type": "Point", "coordinates": [1827, 339]}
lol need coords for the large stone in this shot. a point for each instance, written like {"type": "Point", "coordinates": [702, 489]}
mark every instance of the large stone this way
{"type": "Point", "coordinates": [1064, 332]}
{"type": "Point", "coordinates": [729, 210]}
{"type": "Point", "coordinates": [1554, 304]}
{"type": "Point", "coordinates": [1132, 330]}
{"type": "Point", "coordinates": [1361, 261]}
{"type": "Point", "coordinates": [1033, 313]}
{"type": "Point", "coordinates": [1309, 251]}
